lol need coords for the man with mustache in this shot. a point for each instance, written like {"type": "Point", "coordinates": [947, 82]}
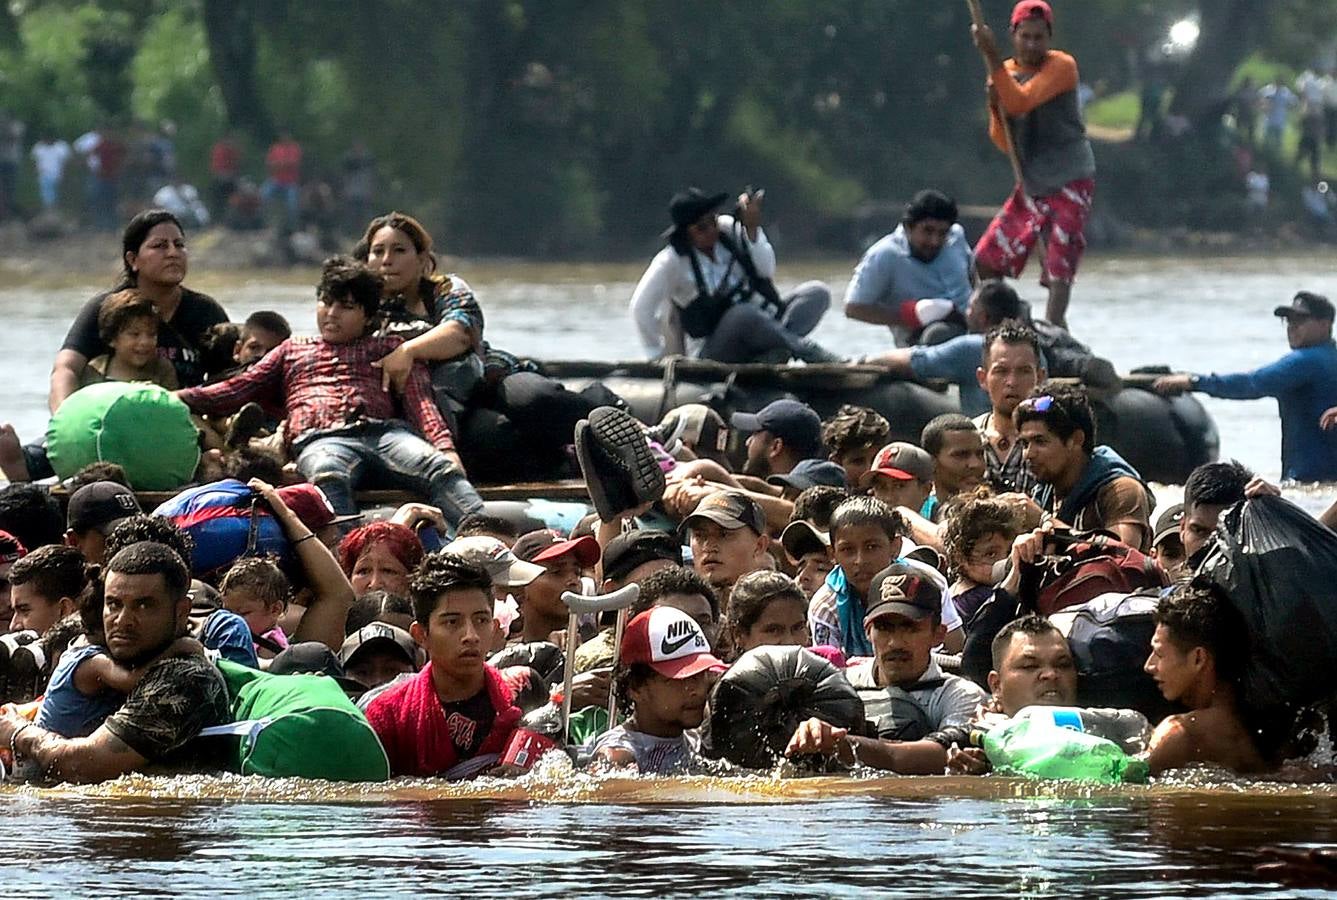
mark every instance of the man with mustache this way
{"type": "Point", "coordinates": [906, 695]}
{"type": "Point", "coordinates": [146, 606]}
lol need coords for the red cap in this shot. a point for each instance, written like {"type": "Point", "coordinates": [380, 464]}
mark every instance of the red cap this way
{"type": "Point", "coordinates": [670, 642]}
{"type": "Point", "coordinates": [11, 548]}
{"type": "Point", "coordinates": [1032, 9]}
{"type": "Point", "coordinates": [309, 504]}
{"type": "Point", "coordinates": [545, 544]}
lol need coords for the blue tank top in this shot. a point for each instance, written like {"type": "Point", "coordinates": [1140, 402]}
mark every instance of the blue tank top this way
{"type": "Point", "coordinates": [68, 712]}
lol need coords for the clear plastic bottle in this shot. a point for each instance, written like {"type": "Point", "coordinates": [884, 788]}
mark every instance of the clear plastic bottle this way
{"type": "Point", "coordinates": [1127, 728]}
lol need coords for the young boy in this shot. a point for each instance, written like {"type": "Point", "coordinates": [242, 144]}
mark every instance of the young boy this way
{"type": "Point", "coordinates": [258, 591]}
{"type": "Point", "coordinates": [341, 426]}
{"type": "Point", "coordinates": [457, 708]}
{"type": "Point", "coordinates": [663, 679]}
{"type": "Point", "coordinates": [866, 537]}
{"type": "Point", "coordinates": [128, 324]}
{"type": "Point", "coordinates": [852, 437]}
{"type": "Point", "coordinates": [261, 332]}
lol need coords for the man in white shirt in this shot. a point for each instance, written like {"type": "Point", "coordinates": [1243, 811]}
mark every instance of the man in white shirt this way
{"type": "Point", "coordinates": [50, 155]}
{"type": "Point", "coordinates": [709, 292]}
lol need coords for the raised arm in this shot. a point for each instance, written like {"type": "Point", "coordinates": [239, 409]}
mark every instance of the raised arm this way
{"type": "Point", "coordinates": [332, 595]}
{"type": "Point", "coordinates": [1057, 76]}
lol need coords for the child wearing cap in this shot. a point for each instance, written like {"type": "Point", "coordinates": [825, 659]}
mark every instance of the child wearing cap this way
{"type": "Point", "coordinates": [662, 681]}
{"type": "Point", "coordinates": [901, 475]}
{"type": "Point", "coordinates": [541, 608]}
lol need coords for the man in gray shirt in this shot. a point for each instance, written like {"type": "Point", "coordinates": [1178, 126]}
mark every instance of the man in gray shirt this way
{"type": "Point", "coordinates": [906, 695]}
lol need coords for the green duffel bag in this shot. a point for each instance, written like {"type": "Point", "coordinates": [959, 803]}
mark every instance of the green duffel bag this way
{"type": "Point", "coordinates": [298, 726]}
{"type": "Point", "coordinates": [140, 426]}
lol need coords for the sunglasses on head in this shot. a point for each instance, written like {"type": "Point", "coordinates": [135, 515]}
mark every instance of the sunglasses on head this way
{"type": "Point", "coordinates": [1037, 404]}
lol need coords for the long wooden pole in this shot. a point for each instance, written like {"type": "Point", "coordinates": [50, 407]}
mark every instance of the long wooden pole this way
{"type": "Point", "coordinates": [977, 16]}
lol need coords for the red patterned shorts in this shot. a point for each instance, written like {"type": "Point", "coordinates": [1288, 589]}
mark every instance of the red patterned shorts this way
{"type": "Point", "coordinates": [1059, 218]}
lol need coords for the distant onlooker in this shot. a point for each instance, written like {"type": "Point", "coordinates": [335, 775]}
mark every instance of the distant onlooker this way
{"type": "Point", "coordinates": [50, 155]}
{"type": "Point", "coordinates": [1277, 100]}
{"type": "Point", "coordinates": [224, 170]}
{"type": "Point", "coordinates": [283, 162]}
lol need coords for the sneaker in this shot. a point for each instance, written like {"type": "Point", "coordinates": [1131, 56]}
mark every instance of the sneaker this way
{"type": "Point", "coordinates": [619, 467]}
{"type": "Point", "coordinates": [249, 422]}
{"type": "Point", "coordinates": [610, 493]}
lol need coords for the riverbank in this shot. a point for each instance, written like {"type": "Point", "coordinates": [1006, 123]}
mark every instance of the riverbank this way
{"type": "Point", "coordinates": [37, 257]}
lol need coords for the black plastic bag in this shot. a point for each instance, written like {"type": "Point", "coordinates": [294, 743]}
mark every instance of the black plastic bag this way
{"type": "Point", "coordinates": [757, 705]}
{"type": "Point", "coordinates": [544, 657]}
{"type": "Point", "coordinates": [1279, 566]}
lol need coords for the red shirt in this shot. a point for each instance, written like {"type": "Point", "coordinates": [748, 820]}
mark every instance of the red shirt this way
{"type": "Point", "coordinates": [326, 386]}
{"type": "Point", "coordinates": [224, 159]}
{"type": "Point", "coordinates": [418, 737]}
{"type": "Point", "coordinates": [284, 161]}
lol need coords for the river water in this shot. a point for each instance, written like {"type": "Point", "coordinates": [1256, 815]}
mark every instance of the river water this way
{"type": "Point", "coordinates": [892, 837]}
{"type": "Point", "coordinates": [1199, 314]}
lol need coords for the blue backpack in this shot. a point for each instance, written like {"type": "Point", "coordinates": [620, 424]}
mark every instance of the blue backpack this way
{"type": "Point", "coordinates": [227, 520]}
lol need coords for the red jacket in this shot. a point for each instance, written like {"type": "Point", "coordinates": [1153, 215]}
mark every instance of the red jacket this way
{"type": "Point", "coordinates": [411, 724]}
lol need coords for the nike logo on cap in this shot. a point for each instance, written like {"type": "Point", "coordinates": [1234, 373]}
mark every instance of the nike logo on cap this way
{"type": "Point", "coordinates": [668, 648]}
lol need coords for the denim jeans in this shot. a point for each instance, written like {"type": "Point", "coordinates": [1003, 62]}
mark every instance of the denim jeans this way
{"type": "Point", "coordinates": [385, 455]}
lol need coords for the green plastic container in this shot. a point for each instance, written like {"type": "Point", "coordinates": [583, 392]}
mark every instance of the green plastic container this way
{"type": "Point", "coordinates": [1033, 748]}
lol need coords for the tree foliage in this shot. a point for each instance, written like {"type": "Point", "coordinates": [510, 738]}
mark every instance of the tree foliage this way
{"type": "Point", "coordinates": [556, 126]}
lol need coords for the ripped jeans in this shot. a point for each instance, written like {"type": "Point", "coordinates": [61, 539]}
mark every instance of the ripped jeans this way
{"type": "Point", "coordinates": [388, 455]}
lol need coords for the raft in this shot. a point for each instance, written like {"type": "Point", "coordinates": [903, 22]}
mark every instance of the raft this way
{"type": "Point", "coordinates": [1163, 438]}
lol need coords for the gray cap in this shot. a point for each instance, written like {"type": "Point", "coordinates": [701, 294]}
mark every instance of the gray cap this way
{"type": "Point", "coordinates": [501, 564]}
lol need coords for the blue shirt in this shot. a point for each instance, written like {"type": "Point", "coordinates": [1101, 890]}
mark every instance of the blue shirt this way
{"type": "Point", "coordinates": [65, 710]}
{"type": "Point", "coordinates": [956, 361]}
{"type": "Point", "coordinates": [228, 633]}
{"type": "Point", "coordinates": [889, 274]}
{"type": "Point", "coordinates": [1304, 382]}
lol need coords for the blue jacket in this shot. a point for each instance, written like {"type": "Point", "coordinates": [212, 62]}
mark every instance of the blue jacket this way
{"type": "Point", "coordinates": [1304, 382]}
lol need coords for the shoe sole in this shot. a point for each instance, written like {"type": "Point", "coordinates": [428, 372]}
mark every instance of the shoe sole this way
{"type": "Point", "coordinates": [602, 494]}
{"type": "Point", "coordinates": [622, 439]}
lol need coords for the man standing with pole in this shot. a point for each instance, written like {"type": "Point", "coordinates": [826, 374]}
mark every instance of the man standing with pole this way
{"type": "Point", "coordinates": [1035, 118]}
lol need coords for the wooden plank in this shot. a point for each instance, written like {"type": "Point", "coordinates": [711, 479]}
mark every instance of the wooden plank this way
{"type": "Point", "coordinates": [571, 489]}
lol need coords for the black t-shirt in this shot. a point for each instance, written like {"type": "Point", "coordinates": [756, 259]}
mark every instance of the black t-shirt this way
{"type": "Point", "coordinates": [179, 341]}
{"type": "Point", "coordinates": [162, 717]}
{"type": "Point", "coordinates": [469, 722]}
